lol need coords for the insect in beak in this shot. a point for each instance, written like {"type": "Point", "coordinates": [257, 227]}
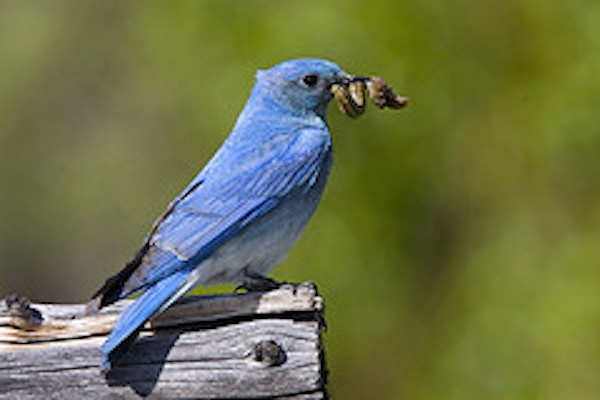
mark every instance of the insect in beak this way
{"type": "Point", "coordinates": [349, 93]}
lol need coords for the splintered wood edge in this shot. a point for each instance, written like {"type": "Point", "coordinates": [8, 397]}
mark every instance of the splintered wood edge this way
{"type": "Point", "coordinates": [63, 322]}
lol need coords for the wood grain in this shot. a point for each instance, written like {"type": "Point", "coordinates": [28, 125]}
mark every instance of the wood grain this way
{"type": "Point", "coordinates": [248, 346]}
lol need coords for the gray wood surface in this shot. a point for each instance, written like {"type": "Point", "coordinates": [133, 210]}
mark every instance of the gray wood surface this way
{"type": "Point", "coordinates": [248, 346]}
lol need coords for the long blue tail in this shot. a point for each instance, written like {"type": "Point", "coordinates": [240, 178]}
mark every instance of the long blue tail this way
{"type": "Point", "coordinates": [153, 301]}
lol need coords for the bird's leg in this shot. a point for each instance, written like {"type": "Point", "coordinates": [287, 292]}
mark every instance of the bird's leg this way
{"type": "Point", "coordinates": [254, 282]}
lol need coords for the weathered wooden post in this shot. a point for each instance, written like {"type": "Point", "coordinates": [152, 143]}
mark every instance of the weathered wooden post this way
{"type": "Point", "coordinates": [242, 346]}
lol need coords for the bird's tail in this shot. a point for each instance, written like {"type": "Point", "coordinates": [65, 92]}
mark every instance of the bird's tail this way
{"type": "Point", "coordinates": [152, 302]}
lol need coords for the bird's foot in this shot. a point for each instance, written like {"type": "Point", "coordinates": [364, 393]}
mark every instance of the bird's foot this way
{"type": "Point", "coordinates": [254, 282]}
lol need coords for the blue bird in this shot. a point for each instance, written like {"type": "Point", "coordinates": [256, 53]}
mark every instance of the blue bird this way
{"type": "Point", "coordinates": [245, 209]}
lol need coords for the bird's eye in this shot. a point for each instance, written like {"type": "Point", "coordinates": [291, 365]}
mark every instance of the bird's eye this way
{"type": "Point", "coordinates": [310, 80]}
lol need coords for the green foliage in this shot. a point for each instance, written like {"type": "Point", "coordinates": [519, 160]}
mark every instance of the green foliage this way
{"type": "Point", "coordinates": [457, 243]}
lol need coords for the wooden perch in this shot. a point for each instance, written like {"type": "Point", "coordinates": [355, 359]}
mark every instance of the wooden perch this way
{"type": "Point", "coordinates": [242, 346]}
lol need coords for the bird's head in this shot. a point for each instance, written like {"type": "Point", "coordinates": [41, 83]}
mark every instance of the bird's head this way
{"type": "Point", "coordinates": [301, 86]}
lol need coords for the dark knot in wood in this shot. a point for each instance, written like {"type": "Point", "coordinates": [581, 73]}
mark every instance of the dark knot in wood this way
{"type": "Point", "coordinates": [269, 353]}
{"type": "Point", "coordinates": [20, 312]}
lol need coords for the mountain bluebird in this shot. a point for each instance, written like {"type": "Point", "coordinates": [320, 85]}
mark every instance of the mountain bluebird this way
{"type": "Point", "coordinates": [245, 209]}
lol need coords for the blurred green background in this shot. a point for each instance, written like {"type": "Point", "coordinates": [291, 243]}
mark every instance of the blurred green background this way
{"type": "Point", "coordinates": [458, 242]}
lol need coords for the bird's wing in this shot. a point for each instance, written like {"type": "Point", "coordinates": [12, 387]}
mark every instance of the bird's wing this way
{"type": "Point", "coordinates": [213, 212]}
